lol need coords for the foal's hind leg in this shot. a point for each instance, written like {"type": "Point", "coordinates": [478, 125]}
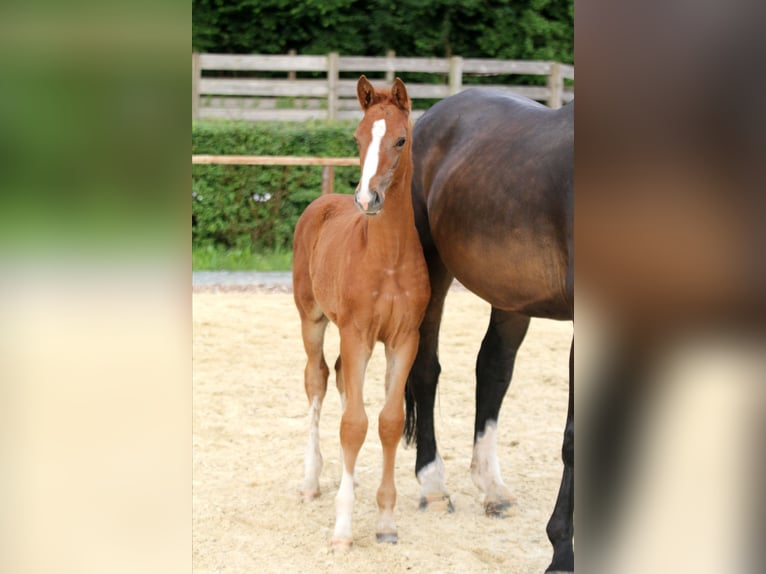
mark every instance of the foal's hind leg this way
{"type": "Point", "coordinates": [315, 378]}
{"type": "Point", "coordinates": [494, 368]}
{"type": "Point", "coordinates": [390, 427]}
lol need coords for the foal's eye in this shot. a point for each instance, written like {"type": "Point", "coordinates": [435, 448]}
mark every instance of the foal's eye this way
{"type": "Point", "coordinates": [400, 142]}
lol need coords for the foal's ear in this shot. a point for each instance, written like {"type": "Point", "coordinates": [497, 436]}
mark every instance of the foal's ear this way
{"type": "Point", "coordinates": [399, 95]}
{"type": "Point", "coordinates": [365, 92]}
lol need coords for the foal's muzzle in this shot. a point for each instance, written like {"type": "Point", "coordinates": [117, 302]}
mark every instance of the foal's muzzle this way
{"type": "Point", "coordinates": [372, 207]}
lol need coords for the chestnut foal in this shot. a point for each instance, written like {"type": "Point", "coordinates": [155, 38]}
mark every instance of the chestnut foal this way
{"type": "Point", "coordinates": [358, 262]}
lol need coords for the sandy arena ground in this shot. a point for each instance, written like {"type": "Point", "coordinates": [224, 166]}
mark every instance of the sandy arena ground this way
{"type": "Point", "coordinates": [250, 431]}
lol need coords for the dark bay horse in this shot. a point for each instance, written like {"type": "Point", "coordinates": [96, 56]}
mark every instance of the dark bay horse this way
{"type": "Point", "coordinates": [358, 262]}
{"type": "Point", "coordinates": [493, 198]}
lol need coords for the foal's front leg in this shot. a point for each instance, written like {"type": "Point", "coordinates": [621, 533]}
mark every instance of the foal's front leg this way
{"type": "Point", "coordinates": [399, 360]}
{"type": "Point", "coordinates": [355, 353]}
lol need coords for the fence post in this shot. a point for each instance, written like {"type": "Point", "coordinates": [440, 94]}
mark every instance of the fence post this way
{"type": "Point", "coordinates": [455, 74]}
{"type": "Point", "coordinates": [291, 73]}
{"type": "Point", "coordinates": [328, 179]}
{"type": "Point", "coordinates": [196, 73]}
{"type": "Point", "coordinates": [390, 55]}
{"type": "Point", "coordinates": [556, 86]}
{"type": "Point", "coordinates": [332, 85]}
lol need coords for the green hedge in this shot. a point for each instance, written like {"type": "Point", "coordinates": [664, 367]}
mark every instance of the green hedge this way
{"type": "Point", "coordinates": [521, 29]}
{"type": "Point", "coordinates": [257, 207]}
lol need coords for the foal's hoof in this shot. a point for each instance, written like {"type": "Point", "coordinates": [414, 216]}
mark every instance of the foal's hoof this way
{"type": "Point", "coordinates": [341, 544]}
{"type": "Point", "coordinates": [309, 495]}
{"type": "Point", "coordinates": [387, 537]}
{"type": "Point", "coordinates": [437, 502]}
{"type": "Point", "coordinates": [497, 508]}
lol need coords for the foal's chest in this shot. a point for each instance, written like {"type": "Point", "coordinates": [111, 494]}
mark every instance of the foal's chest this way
{"type": "Point", "coordinates": [394, 301]}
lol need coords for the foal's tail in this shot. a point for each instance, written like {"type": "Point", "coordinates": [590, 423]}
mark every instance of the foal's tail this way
{"type": "Point", "coordinates": [410, 420]}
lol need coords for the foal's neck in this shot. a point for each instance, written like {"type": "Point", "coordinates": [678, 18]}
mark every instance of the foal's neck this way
{"type": "Point", "coordinates": [392, 230]}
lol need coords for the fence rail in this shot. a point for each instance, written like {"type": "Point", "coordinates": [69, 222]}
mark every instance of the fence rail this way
{"type": "Point", "coordinates": [333, 97]}
{"type": "Point", "coordinates": [327, 163]}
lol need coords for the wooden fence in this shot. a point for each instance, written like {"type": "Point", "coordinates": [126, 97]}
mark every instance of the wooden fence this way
{"type": "Point", "coordinates": [333, 96]}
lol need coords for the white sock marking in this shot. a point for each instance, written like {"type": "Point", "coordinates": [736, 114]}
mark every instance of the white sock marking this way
{"type": "Point", "coordinates": [371, 163]}
{"type": "Point", "coordinates": [485, 468]}
{"type": "Point", "coordinates": [432, 478]}
{"type": "Point", "coordinates": [313, 457]}
{"type": "Point", "coordinates": [344, 507]}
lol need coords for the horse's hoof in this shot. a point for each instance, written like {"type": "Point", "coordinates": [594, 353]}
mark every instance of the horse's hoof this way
{"type": "Point", "coordinates": [437, 502]}
{"type": "Point", "coordinates": [497, 508]}
{"type": "Point", "coordinates": [387, 537]}
{"type": "Point", "coordinates": [309, 495]}
{"type": "Point", "coordinates": [341, 544]}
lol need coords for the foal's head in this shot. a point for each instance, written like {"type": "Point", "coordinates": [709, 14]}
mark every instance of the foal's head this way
{"type": "Point", "coordinates": [383, 136]}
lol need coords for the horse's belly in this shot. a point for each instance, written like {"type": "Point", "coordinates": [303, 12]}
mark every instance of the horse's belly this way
{"type": "Point", "coordinates": [511, 277]}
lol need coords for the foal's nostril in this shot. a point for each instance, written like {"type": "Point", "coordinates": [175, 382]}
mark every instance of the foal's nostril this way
{"type": "Point", "coordinates": [373, 203]}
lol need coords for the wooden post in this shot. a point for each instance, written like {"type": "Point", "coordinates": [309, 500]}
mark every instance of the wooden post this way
{"type": "Point", "coordinates": [328, 179]}
{"type": "Point", "coordinates": [390, 55]}
{"type": "Point", "coordinates": [455, 74]}
{"type": "Point", "coordinates": [291, 73]}
{"type": "Point", "coordinates": [556, 86]}
{"type": "Point", "coordinates": [332, 85]}
{"type": "Point", "coordinates": [196, 73]}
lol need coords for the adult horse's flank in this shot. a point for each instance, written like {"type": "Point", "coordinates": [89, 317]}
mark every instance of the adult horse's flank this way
{"type": "Point", "coordinates": [493, 198]}
{"type": "Point", "coordinates": [358, 262]}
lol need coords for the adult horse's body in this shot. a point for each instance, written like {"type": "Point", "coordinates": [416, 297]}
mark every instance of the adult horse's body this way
{"type": "Point", "coordinates": [493, 198]}
{"type": "Point", "coordinates": [358, 262]}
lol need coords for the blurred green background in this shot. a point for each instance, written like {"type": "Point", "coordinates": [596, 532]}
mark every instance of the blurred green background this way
{"type": "Point", "coordinates": [91, 123]}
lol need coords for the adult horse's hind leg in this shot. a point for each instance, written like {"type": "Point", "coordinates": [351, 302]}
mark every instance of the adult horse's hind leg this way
{"type": "Point", "coordinates": [560, 529]}
{"type": "Point", "coordinates": [421, 391]}
{"type": "Point", "coordinates": [315, 378]}
{"type": "Point", "coordinates": [494, 368]}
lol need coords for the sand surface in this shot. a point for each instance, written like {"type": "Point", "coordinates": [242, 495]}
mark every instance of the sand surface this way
{"type": "Point", "coordinates": [250, 431]}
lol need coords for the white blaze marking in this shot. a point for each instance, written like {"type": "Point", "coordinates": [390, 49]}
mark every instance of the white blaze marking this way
{"type": "Point", "coordinates": [485, 468]}
{"type": "Point", "coordinates": [370, 167]}
{"type": "Point", "coordinates": [313, 457]}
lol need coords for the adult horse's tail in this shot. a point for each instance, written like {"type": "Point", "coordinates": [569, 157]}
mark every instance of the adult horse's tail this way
{"type": "Point", "coordinates": [410, 419]}
{"type": "Point", "coordinates": [419, 395]}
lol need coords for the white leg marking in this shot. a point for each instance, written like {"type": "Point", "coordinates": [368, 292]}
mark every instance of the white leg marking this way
{"type": "Point", "coordinates": [485, 468]}
{"type": "Point", "coordinates": [432, 477]}
{"type": "Point", "coordinates": [386, 527]}
{"type": "Point", "coordinates": [313, 457]}
{"type": "Point", "coordinates": [370, 167]}
{"type": "Point", "coordinates": [340, 446]}
{"type": "Point", "coordinates": [344, 507]}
